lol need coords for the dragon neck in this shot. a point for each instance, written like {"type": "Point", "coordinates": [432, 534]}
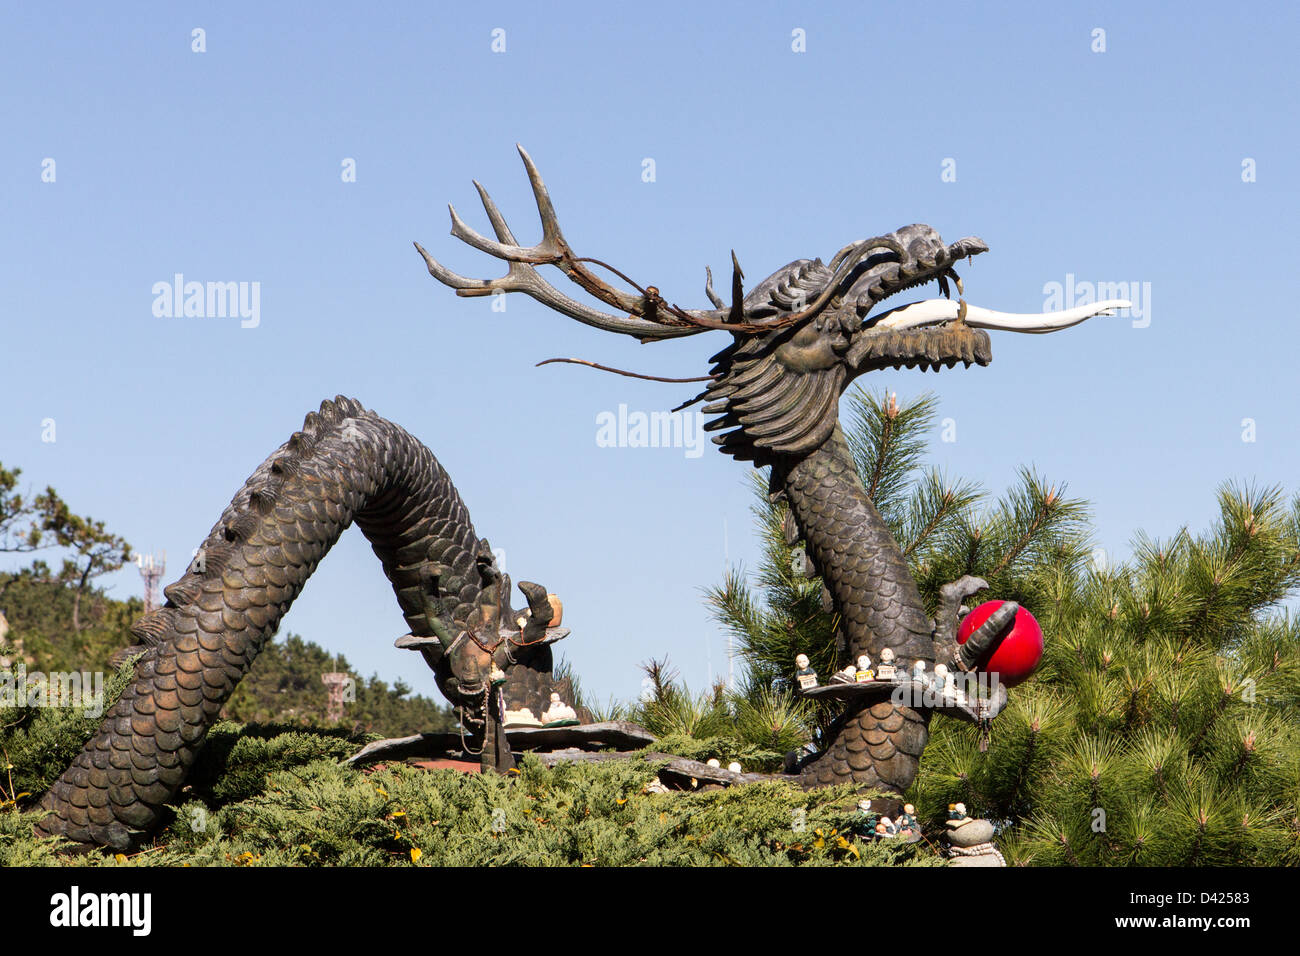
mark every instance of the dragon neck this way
{"type": "Point", "coordinates": [872, 590]}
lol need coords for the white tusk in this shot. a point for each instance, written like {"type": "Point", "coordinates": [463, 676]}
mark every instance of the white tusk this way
{"type": "Point", "coordinates": [932, 311]}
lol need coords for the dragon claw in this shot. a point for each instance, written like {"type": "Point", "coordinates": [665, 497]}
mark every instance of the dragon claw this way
{"type": "Point", "coordinates": [952, 599]}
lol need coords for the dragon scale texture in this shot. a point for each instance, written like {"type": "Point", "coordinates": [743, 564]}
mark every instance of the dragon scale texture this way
{"type": "Point", "coordinates": [346, 464]}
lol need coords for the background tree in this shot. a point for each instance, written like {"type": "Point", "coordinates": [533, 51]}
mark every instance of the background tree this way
{"type": "Point", "coordinates": [46, 608]}
{"type": "Point", "coordinates": [28, 523]}
{"type": "Point", "coordinates": [38, 607]}
{"type": "Point", "coordinates": [95, 550]}
{"type": "Point", "coordinates": [1162, 727]}
{"type": "Point", "coordinates": [20, 517]}
{"type": "Point", "coordinates": [285, 687]}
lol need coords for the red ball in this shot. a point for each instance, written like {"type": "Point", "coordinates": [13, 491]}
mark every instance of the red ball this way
{"type": "Point", "coordinates": [1018, 654]}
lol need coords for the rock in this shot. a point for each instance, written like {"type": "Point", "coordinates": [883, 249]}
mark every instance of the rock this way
{"type": "Point", "coordinates": [985, 859]}
{"type": "Point", "coordinates": [970, 834]}
{"type": "Point", "coordinates": [970, 843]}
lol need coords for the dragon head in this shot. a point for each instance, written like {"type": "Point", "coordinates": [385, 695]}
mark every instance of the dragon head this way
{"type": "Point", "coordinates": [798, 337]}
{"type": "Point", "coordinates": [823, 313]}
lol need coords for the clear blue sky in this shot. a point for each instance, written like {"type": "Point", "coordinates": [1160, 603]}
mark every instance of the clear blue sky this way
{"type": "Point", "coordinates": [225, 166]}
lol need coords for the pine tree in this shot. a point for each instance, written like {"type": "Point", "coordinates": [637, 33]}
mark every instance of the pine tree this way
{"type": "Point", "coordinates": [1162, 727]}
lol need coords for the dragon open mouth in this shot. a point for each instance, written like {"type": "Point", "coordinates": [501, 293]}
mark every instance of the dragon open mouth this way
{"type": "Point", "coordinates": [933, 333]}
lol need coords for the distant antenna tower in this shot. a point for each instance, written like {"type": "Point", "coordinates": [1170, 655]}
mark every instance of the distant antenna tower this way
{"type": "Point", "coordinates": [151, 569]}
{"type": "Point", "coordinates": [337, 683]}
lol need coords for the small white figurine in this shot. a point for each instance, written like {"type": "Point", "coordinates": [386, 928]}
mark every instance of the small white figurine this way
{"type": "Point", "coordinates": [523, 717]}
{"type": "Point", "coordinates": [734, 767]}
{"type": "Point", "coordinates": [805, 675]}
{"type": "Point", "coordinates": [918, 673]}
{"type": "Point", "coordinates": [863, 673]}
{"type": "Point", "coordinates": [846, 676]}
{"type": "Point", "coordinates": [942, 680]}
{"type": "Point", "coordinates": [714, 762]}
{"type": "Point", "coordinates": [886, 670]}
{"type": "Point", "coordinates": [560, 713]}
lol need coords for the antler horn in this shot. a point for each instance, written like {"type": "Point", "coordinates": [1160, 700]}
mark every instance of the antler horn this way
{"type": "Point", "coordinates": [648, 316]}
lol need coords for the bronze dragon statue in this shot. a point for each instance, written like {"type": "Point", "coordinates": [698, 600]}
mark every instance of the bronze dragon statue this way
{"type": "Point", "coordinates": [798, 339]}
